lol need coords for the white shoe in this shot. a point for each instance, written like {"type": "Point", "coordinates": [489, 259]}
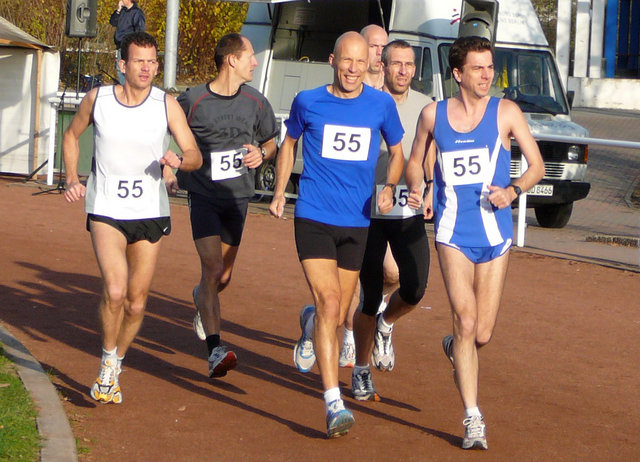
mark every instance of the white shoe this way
{"type": "Point", "coordinates": [106, 388]}
{"type": "Point", "coordinates": [221, 361]}
{"type": "Point", "coordinates": [304, 356]}
{"type": "Point", "coordinates": [383, 305]}
{"type": "Point", "coordinates": [347, 354]}
{"type": "Point", "coordinates": [383, 356]}
{"type": "Point", "coordinates": [198, 328]}
{"type": "Point", "coordinates": [474, 434]}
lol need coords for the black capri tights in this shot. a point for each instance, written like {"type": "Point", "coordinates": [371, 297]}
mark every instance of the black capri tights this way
{"type": "Point", "coordinates": [410, 248]}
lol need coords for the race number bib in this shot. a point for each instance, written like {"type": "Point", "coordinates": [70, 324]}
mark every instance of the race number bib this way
{"type": "Point", "coordinates": [465, 167]}
{"type": "Point", "coordinates": [346, 143]}
{"type": "Point", "coordinates": [227, 164]}
{"type": "Point", "coordinates": [401, 207]}
{"type": "Point", "coordinates": [133, 194]}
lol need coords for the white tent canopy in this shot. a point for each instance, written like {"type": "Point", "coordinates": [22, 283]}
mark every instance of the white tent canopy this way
{"type": "Point", "coordinates": [29, 72]}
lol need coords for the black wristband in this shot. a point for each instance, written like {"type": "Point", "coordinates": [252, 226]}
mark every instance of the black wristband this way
{"type": "Point", "coordinates": [392, 186]}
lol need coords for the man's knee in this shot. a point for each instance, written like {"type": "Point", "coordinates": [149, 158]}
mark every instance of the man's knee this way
{"type": "Point", "coordinates": [115, 294]}
{"type": "Point", "coordinates": [467, 326]}
{"type": "Point", "coordinates": [213, 272]}
{"type": "Point", "coordinates": [328, 307]}
{"type": "Point", "coordinates": [137, 302]}
{"type": "Point", "coordinates": [483, 336]}
{"type": "Point", "coordinates": [413, 294]}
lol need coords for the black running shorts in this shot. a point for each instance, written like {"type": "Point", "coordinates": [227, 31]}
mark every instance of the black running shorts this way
{"type": "Point", "coordinates": [148, 229]}
{"type": "Point", "coordinates": [341, 243]}
{"type": "Point", "coordinates": [212, 216]}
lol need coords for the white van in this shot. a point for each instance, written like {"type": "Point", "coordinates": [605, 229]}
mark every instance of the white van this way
{"type": "Point", "coordinates": [293, 40]}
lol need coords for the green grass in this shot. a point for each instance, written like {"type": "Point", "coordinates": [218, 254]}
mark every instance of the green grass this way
{"type": "Point", "coordinates": [19, 438]}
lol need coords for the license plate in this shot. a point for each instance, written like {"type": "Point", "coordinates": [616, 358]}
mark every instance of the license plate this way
{"type": "Point", "coordinates": [541, 190]}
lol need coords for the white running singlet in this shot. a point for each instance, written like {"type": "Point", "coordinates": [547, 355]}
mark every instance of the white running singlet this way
{"type": "Point", "coordinates": [126, 177]}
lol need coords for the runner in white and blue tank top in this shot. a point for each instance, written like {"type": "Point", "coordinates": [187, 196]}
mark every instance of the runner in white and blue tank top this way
{"type": "Point", "coordinates": [472, 207]}
{"type": "Point", "coordinates": [466, 164]}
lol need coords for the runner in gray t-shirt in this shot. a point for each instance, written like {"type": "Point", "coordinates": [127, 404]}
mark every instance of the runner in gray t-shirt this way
{"type": "Point", "coordinates": [235, 128]}
{"type": "Point", "coordinates": [402, 229]}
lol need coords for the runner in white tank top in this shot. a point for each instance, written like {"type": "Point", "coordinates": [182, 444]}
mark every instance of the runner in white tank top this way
{"type": "Point", "coordinates": [125, 195]}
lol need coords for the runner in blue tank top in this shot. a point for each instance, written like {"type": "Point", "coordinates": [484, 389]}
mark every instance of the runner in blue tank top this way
{"type": "Point", "coordinates": [468, 139]}
{"type": "Point", "coordinates": [341, 124]}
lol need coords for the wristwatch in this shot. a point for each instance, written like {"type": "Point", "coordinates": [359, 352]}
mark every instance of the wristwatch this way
{"type": "Point", "coordinates": [392, 186]}
{"type": "Point", "coordinates": [517, 189]}
{"type": "Point", "coordinates": [263, 151]}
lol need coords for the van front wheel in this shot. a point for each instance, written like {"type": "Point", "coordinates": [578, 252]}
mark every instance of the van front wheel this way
{"type": "Point", "coordinates": [554, 216]}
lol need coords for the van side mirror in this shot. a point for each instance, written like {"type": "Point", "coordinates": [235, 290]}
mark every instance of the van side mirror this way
{"type": "Point", "coordinates": [479, 18]}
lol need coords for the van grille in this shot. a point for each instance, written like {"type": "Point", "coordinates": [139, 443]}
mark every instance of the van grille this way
{"type": "Point", "coordinates": [553, 170]}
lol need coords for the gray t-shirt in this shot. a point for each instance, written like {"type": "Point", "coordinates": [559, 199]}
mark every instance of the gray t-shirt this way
{"type": "Point", "coordinates": [221, 125]}
{"type": "Point", "coordinates": [409, 111]}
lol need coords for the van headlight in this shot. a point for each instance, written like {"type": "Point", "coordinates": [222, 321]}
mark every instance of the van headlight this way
{"type": "Point", "coordinates": [573, 153]}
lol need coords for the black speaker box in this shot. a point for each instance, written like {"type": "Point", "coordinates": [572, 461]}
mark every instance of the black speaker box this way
{"type": "Point", "coordinates": [81, 18]}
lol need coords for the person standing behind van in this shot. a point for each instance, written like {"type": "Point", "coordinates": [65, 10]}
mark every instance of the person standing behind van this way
{"type": "Point", "coordinates": [127, 18]}
{"type": "Point", "coordinates": [235, 128]}
{"type": "Point", "coordinates": [341, 123]}
{"type": "Point", "coordinates": [471, 200]}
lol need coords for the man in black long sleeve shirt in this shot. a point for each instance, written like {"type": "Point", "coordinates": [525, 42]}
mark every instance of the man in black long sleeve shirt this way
{"type": "Point", "coordinates": [126, 19]}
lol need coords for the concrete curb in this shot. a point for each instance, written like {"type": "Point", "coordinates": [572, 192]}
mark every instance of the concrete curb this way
{"type": "Point", "coordinates": [58, 442]}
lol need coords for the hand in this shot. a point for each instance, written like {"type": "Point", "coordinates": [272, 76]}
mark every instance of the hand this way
{"type": "Point", "coordinates": [171, 159]}
{"type": "Point", "coordinates": [415, 199]}
{"type": "Point", "coordinates": [120, 5]}
{"type": "Point", "coordinates": [253, 157]}
{"type": "Point", "coordinates": [74, 191]}
{"type": "Point", "coordinates": [428, 205]}
{"type": "Point", "coordinates": [277, 206]}
{"type": "Point", "coordinates": [385, 200]}
{"type": "Point", "coordinates": [170, 182]}
{"type": "Point", "coordinates": [501, 197]}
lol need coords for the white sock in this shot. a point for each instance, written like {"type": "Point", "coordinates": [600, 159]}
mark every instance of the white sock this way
{"type": "Point", "coordinates": [331, 395]}
{"type": "Point", "coordinates": [308, 327]}
{"type": "Point", "coordinates": [473, 411]}
{"type": "Point", "coordinates": [107, 353]}
{"type": "Point", "coordinates": [383, 326]}
{"type": "Point", "coordinates": [348, 336]}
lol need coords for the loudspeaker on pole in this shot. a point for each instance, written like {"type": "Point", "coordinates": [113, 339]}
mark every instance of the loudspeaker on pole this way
{"type": "Point", "coordinates": [479, 18]}
{"type": "Point", "coordinates": [81, 18]}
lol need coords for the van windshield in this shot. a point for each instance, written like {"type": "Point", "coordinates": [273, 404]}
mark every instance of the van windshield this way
{"type": "Point", "coordinates": [527, 77]}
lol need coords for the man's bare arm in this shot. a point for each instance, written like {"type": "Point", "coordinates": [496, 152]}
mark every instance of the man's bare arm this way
{"type": "Point", "coordinates": [71, 147]}
{"type": "Point", "coordinates": [284, 166]}
{"type": "Point", "coordinates": [191, 157]}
